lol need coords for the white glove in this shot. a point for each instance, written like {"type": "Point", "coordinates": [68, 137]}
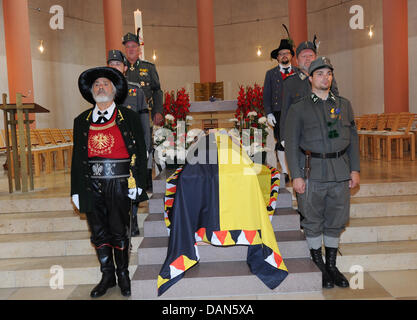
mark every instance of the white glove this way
{"type": "Point", "coordinates": [76, 201]}
{"type": "Point", "coordinates": [283, 143]}
{"type": "Point", "coordinates": [271, 120]}
{"type": "Point", "coordinates": [133, 192]}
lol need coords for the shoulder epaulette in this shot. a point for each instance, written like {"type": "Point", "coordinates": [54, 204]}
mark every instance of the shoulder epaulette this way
{"type": "Point", "coordinates": [134, 84]}
{"type": "Point", "coordinates": [146, 61]}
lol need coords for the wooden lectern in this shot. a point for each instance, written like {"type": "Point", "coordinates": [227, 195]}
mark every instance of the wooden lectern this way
{"type": "Point", "coordinates": [19, 148]}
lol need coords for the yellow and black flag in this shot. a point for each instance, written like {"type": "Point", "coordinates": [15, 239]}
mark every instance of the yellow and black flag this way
{"type": "Point", "coordinates": [221, 197]}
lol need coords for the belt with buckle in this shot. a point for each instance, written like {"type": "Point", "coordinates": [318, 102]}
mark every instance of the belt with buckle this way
{"type": "Point", "coordinates": [332, 155]}
{"type": "Point", "coordinates": [101, 168]}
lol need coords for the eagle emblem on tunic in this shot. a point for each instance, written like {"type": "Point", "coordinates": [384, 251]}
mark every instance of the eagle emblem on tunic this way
{"type": "Point", "coordinates": [101, 143]}
{"type": "Point", "coordinates": [97, 169]}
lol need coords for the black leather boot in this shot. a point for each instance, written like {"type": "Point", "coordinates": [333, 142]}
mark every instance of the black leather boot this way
{"type": "Point", "coordinates": [135, 227]}
{"type": "Point", "coordinates": [108, 279]}
{"type": "Point", "coordinates": [338, 278]}
{"type": "Point", "coordinates": [317, 258]}
{"type": "Point", "coordinates": [122, 262]}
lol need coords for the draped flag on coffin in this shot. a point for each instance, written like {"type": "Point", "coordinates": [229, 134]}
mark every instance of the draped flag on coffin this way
{"type": "Point", "coordinates": [224, 202]}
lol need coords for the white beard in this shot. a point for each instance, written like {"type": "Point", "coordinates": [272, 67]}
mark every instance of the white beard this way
{"type": "Point", "coordinates": [103, 98]}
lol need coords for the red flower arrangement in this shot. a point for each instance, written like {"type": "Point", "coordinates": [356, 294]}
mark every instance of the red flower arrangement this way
{"type": "Point", "coordinates": [250, 114]}
{"type": "Point", "coordinates": [177, 106]}
{"type": "Point", "coordinates": [249, 102]}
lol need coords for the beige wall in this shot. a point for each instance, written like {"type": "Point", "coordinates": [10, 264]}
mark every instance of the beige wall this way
{"type": "Point", "coordinates": [170, 29]}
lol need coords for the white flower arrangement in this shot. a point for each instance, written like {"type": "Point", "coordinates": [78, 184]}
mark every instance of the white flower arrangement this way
{"type": "Point", "coordinates": [262, 120]}
{"type": "Point", "coordinates": [170, 117]}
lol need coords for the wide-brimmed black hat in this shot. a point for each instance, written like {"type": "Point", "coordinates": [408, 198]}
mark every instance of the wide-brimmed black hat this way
{"type": "Point", "coordinates": [285, 44]}
{"type": "Point", "coordinates": [87, 78]}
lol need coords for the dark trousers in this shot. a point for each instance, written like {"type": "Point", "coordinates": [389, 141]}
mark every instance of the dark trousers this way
{"type": "Point", "coordinates": [278, 146]}
{"type": "Point", "coordinates": [109, 220]}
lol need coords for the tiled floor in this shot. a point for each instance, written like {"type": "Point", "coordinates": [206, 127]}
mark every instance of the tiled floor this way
{"type": "Point", "coordinates": [376, 285]}
{"type": "Point", "coordinates": [383, 285]}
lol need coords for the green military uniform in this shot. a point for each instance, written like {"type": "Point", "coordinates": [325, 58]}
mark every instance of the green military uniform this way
{"type": "Point", "coordinates": [325, 204]}
{"type": "Point", "coordinates": [144, 73]}
{"type": "Point", "coordinates": [296, 87]}
{"type": "Point", "coordinates": [308, 129]}
{"type": "Point", "coordinates": [325, 132]}
{"type": "Point", "coordinates": [135, 100]}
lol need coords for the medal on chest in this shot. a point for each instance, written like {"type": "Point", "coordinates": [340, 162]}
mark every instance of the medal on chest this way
{"type": "Point", "coordinates": [143, 72]}
{"type": "Point", "coordinates": [335, 113]}
{"type": "Point", "coordinates": [132, 92]}
{"type": "Point", "coordinates": [335, 116]}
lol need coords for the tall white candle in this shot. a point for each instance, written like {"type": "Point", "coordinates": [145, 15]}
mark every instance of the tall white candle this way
{"type": "Point", "coordinates": [138, 24]}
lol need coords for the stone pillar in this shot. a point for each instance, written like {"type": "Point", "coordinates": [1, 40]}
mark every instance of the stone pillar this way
{"type": "Point", "coordinates": [19, 59]}
{"type": "Point", "coordinates": [297, 12]}
{"type": "Point", "coordinates": [206, 49]}
{"type": "Point", "coordinates": [113, 24]}
{"type": "Point", "coordinates": [395, 37]}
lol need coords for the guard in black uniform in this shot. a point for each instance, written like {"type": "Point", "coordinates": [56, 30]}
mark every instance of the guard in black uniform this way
{"type": "Point", "coordinates": [108, 171]}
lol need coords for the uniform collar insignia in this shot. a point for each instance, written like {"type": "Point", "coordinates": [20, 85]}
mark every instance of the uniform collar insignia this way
{"type": "Point", "coordinates": [89, 115]}
{"type": "Point", "coordinates": [331, 97]}
{"type": "Point", "coordinates": [302, 75]}
{"type": "Point", "coordinates": [314, 97]}
{"type": "Point", "coordinates": [119, 115]}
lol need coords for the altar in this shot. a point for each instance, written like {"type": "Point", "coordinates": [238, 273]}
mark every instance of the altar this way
{"type": "Point", "coordinates": [210, 115]}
